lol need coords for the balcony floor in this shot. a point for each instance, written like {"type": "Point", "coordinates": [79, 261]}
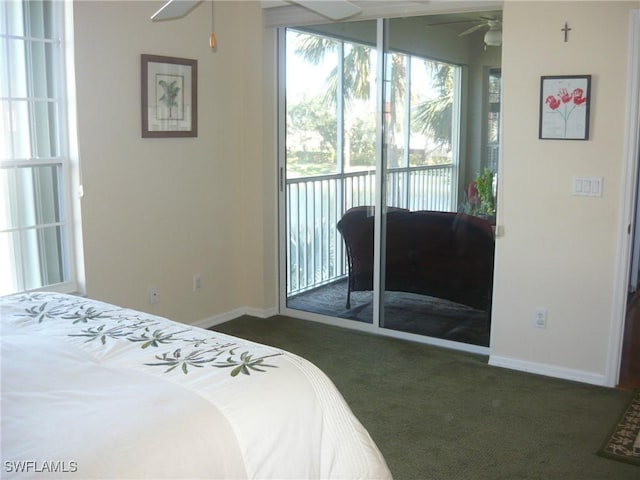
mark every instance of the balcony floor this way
{"type": "Point", "coordinates": [408, 312]}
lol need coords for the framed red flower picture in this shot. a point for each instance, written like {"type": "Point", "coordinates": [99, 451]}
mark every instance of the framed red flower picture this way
{"type": "Point", "coordinates": [564, 107]}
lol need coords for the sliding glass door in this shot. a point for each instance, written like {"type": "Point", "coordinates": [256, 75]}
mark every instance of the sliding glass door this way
{"type": "Point", "coordinates": [379, 180]}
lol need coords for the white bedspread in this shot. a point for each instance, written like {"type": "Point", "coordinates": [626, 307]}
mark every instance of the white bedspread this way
{"type": "Point", "coordinates": [91, 390]}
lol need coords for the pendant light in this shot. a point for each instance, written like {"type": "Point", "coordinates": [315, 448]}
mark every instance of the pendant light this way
{"type": "Point", "coordinates": [493, 37]}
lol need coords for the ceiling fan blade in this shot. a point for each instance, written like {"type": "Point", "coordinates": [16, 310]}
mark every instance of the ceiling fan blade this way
{"type": "Point", "coordinates": [472, 29]}
{"type": "Point", "coordinates": [174, 9]}
{"type": "Point", "coordinates": [455, 22]}
{"type": "Point", "coordinates": [333, 9]}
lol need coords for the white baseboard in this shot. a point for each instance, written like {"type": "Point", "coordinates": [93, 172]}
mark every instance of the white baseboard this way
{"type": "Point", "coordinates": [238, 312]}
{"type": "Point", "coordinates": [549, 370]}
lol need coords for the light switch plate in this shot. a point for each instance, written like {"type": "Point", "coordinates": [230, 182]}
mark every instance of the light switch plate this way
{"type": "Point", "coordinates": [587, 186]}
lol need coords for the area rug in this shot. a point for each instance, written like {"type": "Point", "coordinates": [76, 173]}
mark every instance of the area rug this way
{"type": "Point", "coordinates": [624, 443]}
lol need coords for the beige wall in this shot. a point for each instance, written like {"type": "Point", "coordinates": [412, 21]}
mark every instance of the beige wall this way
{"type": "Point", "coordinates": [559, 251]}
{"type": "Point", "coordinates": [158, 211]}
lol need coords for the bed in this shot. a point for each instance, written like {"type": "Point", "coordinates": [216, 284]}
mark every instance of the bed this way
{"type": "Point", "coordinates": [93, 390]}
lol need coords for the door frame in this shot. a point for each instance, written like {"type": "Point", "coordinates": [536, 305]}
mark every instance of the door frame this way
{"type": "Point", "coordinates": [629, 198]}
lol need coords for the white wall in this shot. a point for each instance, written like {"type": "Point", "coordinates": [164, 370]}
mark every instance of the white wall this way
{"type": "Point", "coordinates": [158, 211]}
{"type": "Point", "coordinates": [558, 251]}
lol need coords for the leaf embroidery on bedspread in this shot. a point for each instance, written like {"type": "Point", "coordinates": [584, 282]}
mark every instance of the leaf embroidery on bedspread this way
{"type": "Point", "coordinates": [44, 311]}
{"type": "Point", "coordinates": [156, 338]}
{"type": "Point", "coordinates": [199, 358]}
{"type": "Point", "coordinates": [175, 359]}
{"type": "Point", "coordinates": [83, 315]}
{"type": "Point", "coordinates": [195, 341]}
{"type": "Point", "coordinates": [245, 363]}
{"type": "Point", "coordinates": [100, 333]}
{"type": "Point", "coordinates": [119, 324]}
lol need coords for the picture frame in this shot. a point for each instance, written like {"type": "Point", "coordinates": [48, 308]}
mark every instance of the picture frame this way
{"type": "Point", "coordinates": [169, 93]}
{"type": "Point", "coordinates": [565, 102]}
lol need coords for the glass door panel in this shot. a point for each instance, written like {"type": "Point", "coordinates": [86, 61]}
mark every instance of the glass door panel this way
{"type": "Point", "coordinates": [330, 169]}
{"type": "Point", "coordinates": [437, 268]}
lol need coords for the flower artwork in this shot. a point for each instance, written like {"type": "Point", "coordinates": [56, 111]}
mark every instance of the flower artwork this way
{"type": "Point", "coordinates": [564, 104]}
{"type": "Point", "coordinates": [564, 107]}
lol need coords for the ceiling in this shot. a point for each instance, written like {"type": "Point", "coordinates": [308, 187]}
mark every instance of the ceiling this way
{"type": "Point", "coordinates": [458, 16]}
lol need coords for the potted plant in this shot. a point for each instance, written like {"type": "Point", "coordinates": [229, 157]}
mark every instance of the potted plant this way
{"type": "Point", "coordinates": [480, 196]}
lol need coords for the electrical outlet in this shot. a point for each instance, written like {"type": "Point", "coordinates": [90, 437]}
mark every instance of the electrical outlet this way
{"type": "Point", "coordinates": [540, 318]}
{"type": "Point", "coordinates": [154, 295]}
{"type": "Point", "coordinates": [197, 283]}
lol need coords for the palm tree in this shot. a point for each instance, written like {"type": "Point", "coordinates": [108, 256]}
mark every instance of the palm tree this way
{"type": "Point", "coordinates": [357, 67]}
{"type": "Point", "coordinates": [170, 94]}
{"type": "Point", "coordinates": [434, 117]}
{"type": "Point", "coordinates": [356, 76]}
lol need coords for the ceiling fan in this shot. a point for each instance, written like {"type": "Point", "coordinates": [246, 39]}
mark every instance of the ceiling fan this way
{"type": "Point", "coordinates": [492, 37]}
{"type": "Point", "coordinates": [174, 9]}
{"type": "Point", "coordinates": [332, 9]}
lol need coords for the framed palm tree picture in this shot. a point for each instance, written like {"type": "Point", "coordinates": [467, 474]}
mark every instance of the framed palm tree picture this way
{"type": "Point", "coordinates": [169, 97]}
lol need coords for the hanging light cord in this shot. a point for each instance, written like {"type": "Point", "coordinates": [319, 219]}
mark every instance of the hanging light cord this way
{"type": "Point", "coordinates": [212, 39]}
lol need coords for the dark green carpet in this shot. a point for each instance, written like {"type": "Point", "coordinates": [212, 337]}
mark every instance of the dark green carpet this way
{"type": "Point", "coordinates": [440, 414]}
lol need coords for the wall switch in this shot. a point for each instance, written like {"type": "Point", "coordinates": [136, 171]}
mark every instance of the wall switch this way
{"type": "Point", "coordinates": [154, 295]}
{"type": "Point", "coordinates": [540, 318]}
{"type": "Point", "coordinates": [197, 283]}
{"type": "Point", "coordinates": [587, 186]}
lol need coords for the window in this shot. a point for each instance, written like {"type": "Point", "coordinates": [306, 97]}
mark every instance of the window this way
{"type": "Point", "coordinates": [331, 108]}
{"type": "Point", "coordinates": [421, 142]}
{"type": "Point", "coordinates": [330, 105]}
{"type": "Point", "coordinates": [36, 238]}
{"type": "Point", "coordinates": [493, 119]}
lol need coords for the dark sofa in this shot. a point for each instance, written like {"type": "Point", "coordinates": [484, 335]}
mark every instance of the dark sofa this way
{"type": "Point", "coordinates": [441, 254]}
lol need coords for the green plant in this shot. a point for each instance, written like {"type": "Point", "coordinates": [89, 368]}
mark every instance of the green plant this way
{"type": "Point", "coordinates": [484, 184]}
{"type": "Point", "coordinates": [170, 94]}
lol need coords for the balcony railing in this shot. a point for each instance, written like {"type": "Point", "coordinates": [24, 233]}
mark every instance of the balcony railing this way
{"type": "Point", "coordinates": [315, 251]}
